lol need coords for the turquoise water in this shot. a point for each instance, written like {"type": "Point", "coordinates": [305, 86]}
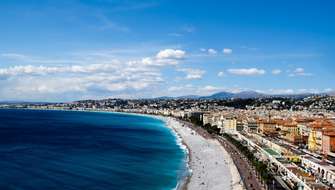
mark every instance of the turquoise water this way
{"type": "Point", "coordinates": [46, 150]}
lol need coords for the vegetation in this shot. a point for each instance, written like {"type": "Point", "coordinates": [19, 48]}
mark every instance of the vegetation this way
{"type": "Point", "coordinates": [212, 129]}
{"type": "Point", "coordinates": [260, 166]}
{"type": "Point", "coordinates": [195, 121]}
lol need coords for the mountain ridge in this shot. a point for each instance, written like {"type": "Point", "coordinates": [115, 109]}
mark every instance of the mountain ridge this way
{"type": "Point", "coordinates": [246, 95]}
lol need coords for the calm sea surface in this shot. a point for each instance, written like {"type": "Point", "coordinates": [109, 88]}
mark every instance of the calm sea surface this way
{"type": "Point", "coordinates": [46, 150]}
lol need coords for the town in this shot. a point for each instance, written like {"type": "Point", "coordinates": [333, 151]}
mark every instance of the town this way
{"type": "Point", "coordinates": [294, 139]}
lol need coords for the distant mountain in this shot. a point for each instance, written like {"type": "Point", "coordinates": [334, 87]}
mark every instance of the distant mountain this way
{"type": "Point", "coordinates": [229, 95]}
{"type": "Point", "coordinates": [220, 95]}
{"type": "Point", "coordinates": [189, 97]}
{"type": "Point", "coordinates": [178, 97]}
{"type": "Point", "coordinates": [332, 93]}
{"type": "Point", "coordinates": [248, 94]}
{"type": "Point", "coordinates": [241, 95]}
{"type": "Point", "coordinates": [164, 98]}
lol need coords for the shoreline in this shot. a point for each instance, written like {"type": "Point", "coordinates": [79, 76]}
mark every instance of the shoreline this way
{"type": "Point", "coordinates": [218, 173]}
{"type": "Point", "coordinates": [182, 185]}
{"type": "Point", "coordinates": [209, 177]}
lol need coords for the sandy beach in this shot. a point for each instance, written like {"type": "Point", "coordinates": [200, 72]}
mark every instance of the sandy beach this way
{"type": "Point", "coordinates": [211, 166]}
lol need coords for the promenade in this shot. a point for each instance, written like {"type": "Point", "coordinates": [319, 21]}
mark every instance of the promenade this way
{"type": "Point", "coordinates": [246, 170]}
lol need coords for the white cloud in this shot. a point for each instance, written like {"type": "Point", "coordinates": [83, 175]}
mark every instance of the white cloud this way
{"type": "Point", "coordinates": [94, 84]}
{"type": "Point", "coordinates": [299, 72]}
{"type": "Point", "coordinates": [43, 70]}
{"type": "Point", "coordinates": [209, 51]}
{"type": "Point", "coordinates": [194, 90]}
{"type": "Point", "coordinates": [280, 91]}
{"type": "Point", "coordinates": [247, 71]}
{"type": "Point", "coordinates": [171, 54]}
{"type": "Point", "coordinates": [212, 51]}
{"type": "Point", "coordinates": [162, 58]}
{"type": "Point", "coordinates": [147, 61]}
{"type": "Point", "coordinates": [291, 91]}
{"type": "Point", "coordinates": [97, 74]}
{"type": "Point", "coordinates": [192, 74]}
{"type": "Point", "coordinates": [102, 77]}
{"type": "Point", "coordinates": [276, 71]}
{"type": "Point", "coordinates": [202, 90]}
{"type": "Point", "coordinates": [221, 74]}
{"type": "Point", "coordinates": [210, 88]}
{"type": "Point", "coordinates": [227, 51]}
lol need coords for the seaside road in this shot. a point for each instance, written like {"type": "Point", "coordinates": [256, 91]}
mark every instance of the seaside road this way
{"type": "Point", "coordinates": [247, 173]}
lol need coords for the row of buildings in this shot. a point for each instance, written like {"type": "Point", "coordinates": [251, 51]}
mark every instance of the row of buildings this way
{"type": "Point", "coordinates": [315, 133]}
{"type": "Point", "coordinates": [301, 142]}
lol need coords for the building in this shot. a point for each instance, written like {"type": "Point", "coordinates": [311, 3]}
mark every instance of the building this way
{"type": "Point", "coordinates": [229, 125]}
{"type": "Point", "coordinates": [290, 132]}
{"type": "Point", "coordinates": [252, 126]}
{"type": "Point", "coordinates": [240, 126]}
{"type": "Point", "coordinates": [267, 127]}
{"type": "Point", "coordinates": [320, 128]}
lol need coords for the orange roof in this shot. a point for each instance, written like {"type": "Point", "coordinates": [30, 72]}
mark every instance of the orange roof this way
{"type": "Point", "coordinates": [329, 133]}
{"type": "Point", "coordinates": [304, 120]}
{"type": "Point", "coordinates": [322, 123]}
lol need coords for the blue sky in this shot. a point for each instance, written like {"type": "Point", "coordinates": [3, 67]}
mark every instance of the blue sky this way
{"type": "Point", "coordinates": [69, 50]}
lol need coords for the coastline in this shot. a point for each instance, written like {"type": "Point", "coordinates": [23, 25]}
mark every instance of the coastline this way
{"type": "Point", "coordinates": [218, 173]}
{"type": "Point", "coordinates": [201, 175]}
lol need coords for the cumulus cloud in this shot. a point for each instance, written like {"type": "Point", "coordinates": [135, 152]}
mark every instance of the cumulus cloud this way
{"type": "Point", "coordinates": [171, 54]}
{"type": "Point", "coordinates": [97, 76]}
{"type": "Point", "coordinates": [328, 89]}
{"type": "Point", "coordinates": [209, 51]}
{"type": "Point", "coordinates": [247, 71]}
{"type": "Point", "coordinates": [280, 91]}
{"type": "Point", "coordinates": [202, 90]}
{"type": "Point", "coordinates": [212, 51]}
{"type": "Point", "coordinates": [195, 90]}
{"type": "Point", "coordinates": [210, 88]}
{"type": "Point", "coordinates": [276, 71]}
{"type": "Point", "coordinates": [43, 70]}
{"type": "Point", "coordinates": [162, 58]}
{"type": "Point", "coordinates": [220, 74]}
{"type": "Point", "coordinates": [299, 72]}
{"type": "Point", "coordinates": [291, 91]}
{"type": "Point", "coordinates": [192, 74]}
{"type": "Point", "coordinates": [227, 51]}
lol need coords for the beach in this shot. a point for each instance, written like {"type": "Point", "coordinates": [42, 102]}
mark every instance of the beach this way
{"type": "Point", "coordinates": [211, 167]}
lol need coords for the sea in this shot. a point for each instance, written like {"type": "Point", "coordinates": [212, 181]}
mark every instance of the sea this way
{"type": "Point", "coordinates": [75, 150]}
